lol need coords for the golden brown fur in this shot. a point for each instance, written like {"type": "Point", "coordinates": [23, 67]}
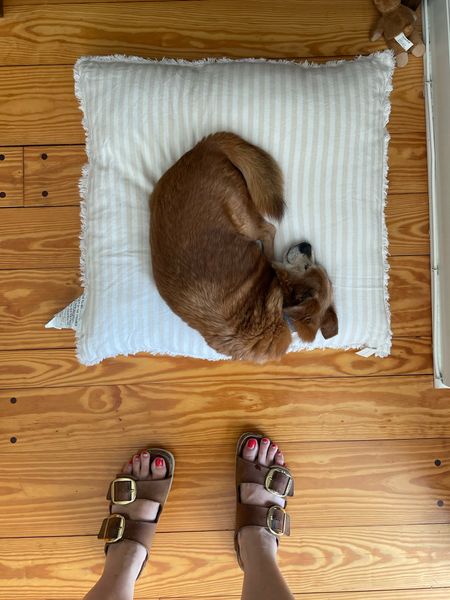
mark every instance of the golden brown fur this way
{"type": "Point", "coordinates": [206, 219]}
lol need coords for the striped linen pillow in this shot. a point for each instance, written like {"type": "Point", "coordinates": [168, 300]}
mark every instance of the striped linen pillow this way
{"type": "Point", "coordinates": [323, 123]}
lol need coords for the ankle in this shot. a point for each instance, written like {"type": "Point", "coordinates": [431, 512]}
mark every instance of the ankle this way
{"type": "Point", "coordinates": [107, 589]}
{"type": "Point", "coordinates": [124, 561]}
{"type": "Point", "coordinates": [257, 545]}
{"type": "Point", "coordinates": [123, 564]}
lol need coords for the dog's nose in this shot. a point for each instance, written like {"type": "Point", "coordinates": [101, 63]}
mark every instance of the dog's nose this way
{"type": "Point", "coordinates": [305, 248]}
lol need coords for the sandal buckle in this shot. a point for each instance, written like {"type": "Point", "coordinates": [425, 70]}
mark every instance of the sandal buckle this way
{"type": "Point", "coordinates": [112, 529]}
{"type": "Point", "coordinates": [132, 491]}
{"type": "Point", "coordinates": [270, 476]}
{"type": "Point", "coordinates": [272, 514]}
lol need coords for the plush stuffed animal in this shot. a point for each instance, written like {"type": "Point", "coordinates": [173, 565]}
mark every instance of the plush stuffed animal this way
{"type": "Point", "coordinates": [397, 24]}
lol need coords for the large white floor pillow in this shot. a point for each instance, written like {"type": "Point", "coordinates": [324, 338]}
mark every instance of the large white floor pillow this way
{"type": "Point", "coordinates": [324, 124]}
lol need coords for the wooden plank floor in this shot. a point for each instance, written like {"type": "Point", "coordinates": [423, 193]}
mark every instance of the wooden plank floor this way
{"type": "Point", "coordinates": [368, 439]}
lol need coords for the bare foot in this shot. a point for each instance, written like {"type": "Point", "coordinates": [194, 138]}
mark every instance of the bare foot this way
{"type": "Point", "coordinates": [125, 558]}
{"type": "Point", "coordinates": [257, 543]}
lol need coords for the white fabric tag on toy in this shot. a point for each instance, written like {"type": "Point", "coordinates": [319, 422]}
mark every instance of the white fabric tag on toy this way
{"type": "Point", "coordinates": [403, 41]}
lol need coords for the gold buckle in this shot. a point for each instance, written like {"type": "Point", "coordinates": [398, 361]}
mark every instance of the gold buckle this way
{"type": "Point", "coordinates": [269, 478]}
{"type": "Point", "coordinates": [106, 526]}
{"type": "Point", "coordinates": [133, 491]}
{"type": "Point", "coordinates": [270, 517]}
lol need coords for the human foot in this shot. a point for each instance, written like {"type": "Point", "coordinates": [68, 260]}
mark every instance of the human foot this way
{"type": "Point", "coordinates": [257, 456]}
{"type": "Point", "coordinates": [137, 495]}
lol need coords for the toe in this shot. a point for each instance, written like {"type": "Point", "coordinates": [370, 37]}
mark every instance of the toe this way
{"type": "Point", "coordinates": [250, 450]}
{"type": "Point", "coordinates": [159, 468]}
{"type": "Point", "coordinates": [145, 465]}
{"type": "Point", "coordinates": [271, 452]}
{"type": "Point", "coordinates": [279, 458]}
{"type": "Point", "coordinates": [128, 467]}
{"type": "Point", "coordinates": [137, 465]}
{"type": "Point", "coordinates": [262, 454]}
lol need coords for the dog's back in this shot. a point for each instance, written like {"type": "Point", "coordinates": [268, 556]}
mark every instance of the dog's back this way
{"type": "Point", "coordinates": [206, 262]}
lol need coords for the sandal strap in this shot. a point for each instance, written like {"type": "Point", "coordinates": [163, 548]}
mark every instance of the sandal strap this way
{"type": "Point", "coordinates": [274, 518]}
{"type": "Point", "coordinates": [126, 489]}
{"type": "Point", "coordinates": [275, 479]}
{"type": "Point", "coordinates": [119, 527]}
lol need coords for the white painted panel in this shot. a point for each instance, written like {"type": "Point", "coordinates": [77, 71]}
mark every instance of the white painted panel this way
{"type": "Point", "coordinates": [437, 93]}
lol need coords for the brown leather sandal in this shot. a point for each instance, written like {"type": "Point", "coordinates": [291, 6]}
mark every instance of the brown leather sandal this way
{"type": "Point", "coordinates": [275, 479]}
{"type": "Point", "coordinates": [124, 490]}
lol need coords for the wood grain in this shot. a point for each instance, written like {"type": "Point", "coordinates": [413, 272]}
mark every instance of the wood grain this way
{"type": "Point", "coordinates": [410, 295]}
{"type": "Point", "coordinates": [408, 224]}
{"type": "Point", "coordinates": [52, 174]}
{"type": "Point", "coordinates": [11, 177]}
{"type": "Point", "coordinates": [275, 28]}
{"type": "Point", "coordinates": [408, 171]}
{"type": "Point", "coordinates": [407, 100]}
{"type": "Point", "coordinates": [339, 484]}
{"type": "Point", "coordinates": [182, 414]}
{"type": "Point", "coordinates": [204, 564]}
{"type": "Point", "coordinates": [28, 300]}
{"type": "Point", "coordinates": [49, 368]}
{"type": "Point", "coordinates": [39, 237]}
{"type": "Point", "coordinates": [39, 106]}
{"type": "Point", "coordinates": [30, 297]}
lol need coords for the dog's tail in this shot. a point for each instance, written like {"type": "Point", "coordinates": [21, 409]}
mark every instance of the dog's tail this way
{"type": "Point", "coordinates": [261, 173]}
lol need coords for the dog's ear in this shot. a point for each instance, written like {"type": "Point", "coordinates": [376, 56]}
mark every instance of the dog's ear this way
{"type": "Point", "coordinates": [329, 325]}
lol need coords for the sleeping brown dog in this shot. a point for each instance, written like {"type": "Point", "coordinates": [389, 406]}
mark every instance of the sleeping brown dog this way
{"type": "Point", "coordinates": [207, 229]}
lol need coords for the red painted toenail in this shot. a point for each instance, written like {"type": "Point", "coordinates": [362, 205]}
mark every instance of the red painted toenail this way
{"type": "Point", "coordinates": [251, 444]}
{"type": "Point", "coordinates": [159, 462]}
{"type": "Point", "coordinates": [265, 441]}
{"type": "Point", "coordinates": [145, 454]}
{"type": "Point", "coordinates": [136, 457]}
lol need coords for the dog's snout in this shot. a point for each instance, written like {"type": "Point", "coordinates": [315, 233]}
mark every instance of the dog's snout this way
{"type": "Point", "coordinates": [305, 248]}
